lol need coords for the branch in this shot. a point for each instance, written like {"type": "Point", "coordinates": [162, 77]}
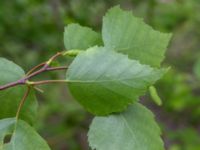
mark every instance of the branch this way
{"type": "Point", "coordinates": [46, 67]}
{"type": "Point", "coordinates": [34, 68]}
{"type": "Point", "coordinates": [12, 84]}
{"type": "Point", "coordinates": [30, 74]}
{"type": "Point", "coordinates": [25, 79]}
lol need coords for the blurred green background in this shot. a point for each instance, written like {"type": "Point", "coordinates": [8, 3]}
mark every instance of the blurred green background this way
{"type": "Point", "coordinates": [32, 30]}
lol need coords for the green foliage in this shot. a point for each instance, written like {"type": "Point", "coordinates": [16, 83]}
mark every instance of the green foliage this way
{"type": "Point", "coordinates": [10, 98]}
{"type": "Point", "coordinates": [180, 97]}
{"type": "Point", "coordinates": [189, 138]}
{"type": "Point", "coordinates": [196, 69]}
{"type": "Point", "coordinates": [31, 31]}
{"type": "Point", "coordinates": [133, 129]}
{"type": "Point", "coordinates": [78, 37]}
{"type": "Point", "coordinates": [130, 35]}
{"type": "Point", "coordinates": [169, 16]}
{"type": "Point", "coordinates": [23, 136]}
{"type": "Point", "coordinates": [100, 81]}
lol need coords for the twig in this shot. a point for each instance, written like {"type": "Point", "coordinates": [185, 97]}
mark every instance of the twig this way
{"type": "Point", "coordinates": [22, 102]}
{"type": "Point", "coordinates": [38, 89]}
{"type": "Point", "coordinates": [57, 68]}
{"type": "Point", "coordinates": [30, 75]}
{"type": "Point", "coordinates": [34, 68]}
{"type": "Point", "coordinates": [23, 80]}
{"type": "Point", "coordinates": [46, 67]}
{"type": "Point", "coordinates": [12, 84]}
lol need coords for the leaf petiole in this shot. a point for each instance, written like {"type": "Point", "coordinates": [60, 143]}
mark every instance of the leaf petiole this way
{"type": "Point", "coordinates": [22, 102]}
{"type": "Point", "coordinates": [52, 59]}
{"type": "Point", "coordinates": [45, 82]}
{"type": "Point", "coordinates": [34, 68]}
{"type": "Point", "coordinates": [72, 53]}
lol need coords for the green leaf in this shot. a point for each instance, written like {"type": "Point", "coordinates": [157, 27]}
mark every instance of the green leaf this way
{"type": "Point", "coordinates": [134, 129]}
{"type": "Point", "coordinates": [10, 98]}
{"type": "Point", "coordinates": [23, 136]}
{"type": "Point", "coordinates": [130, 35]}
{"type": "Point", "coordinates": [78, 37]}
{"type": "Point", "coordinates": [154, 95]}
{"type": "Point", "coordinates": [104, 81]}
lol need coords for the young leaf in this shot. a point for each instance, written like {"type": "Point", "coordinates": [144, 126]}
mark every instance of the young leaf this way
{"type": "Point", "coordinates": [130, 35]}
{"type": "Point", "coordinates": [23, 136]}
{"type": "Point", "coordinates": [78, 37]}
{"type": "Point", "coordinates": [10, 98]}
{"type": "Point", "coordinates": [134, 129]}
{"type": "Point", "coordinates": [104, 81]}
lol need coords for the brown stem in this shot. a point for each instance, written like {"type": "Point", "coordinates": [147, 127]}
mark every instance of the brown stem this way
{"type": "Point", "coordinates": [12, 84]}
{"type": "Point", "coordinates": [22, 102]}
{"type": "Point", "coordinates": [52, 59]}
{"type": "Point", "coordinates": [30, 74]}
{"type": "Point", "coordinates": [23, 80]}
{"type": "Point", "coordinates": [45, 67]}
{"type": "Point", "coordinates": [44, 70]}
{"type": "Point", "coordinates": [34, 68]}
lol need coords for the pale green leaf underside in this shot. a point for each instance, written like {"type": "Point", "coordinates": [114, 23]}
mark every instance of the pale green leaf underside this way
{"type": "Point", "coordinates": [104, 81]}
{"type": "Point", "coordinates": [78, 37]}
{"type": "Point", "coordinates": [130, 35]}
{"type": "Point", "coordinates": [10, 98]}
{"type": "Point", "coordinates": [134, 129]}
{"type": "Point", "coordinates": [24, 137]}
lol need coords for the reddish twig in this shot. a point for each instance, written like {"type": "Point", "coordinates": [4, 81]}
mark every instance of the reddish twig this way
{"type": "Point", "coordinates": [34, 68]}
{"type": "Point", "coordinates": [31, 74]}
{"type": "Point", "coordinates": [12, 84]}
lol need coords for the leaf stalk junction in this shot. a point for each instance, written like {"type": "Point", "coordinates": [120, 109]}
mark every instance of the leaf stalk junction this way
{"type": "Point", "coordinates": [39, 69]}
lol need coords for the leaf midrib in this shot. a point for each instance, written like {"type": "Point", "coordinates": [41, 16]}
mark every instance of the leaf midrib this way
{"type": "Point", "coordinates": [97, 81]}
{"type": "Point", "coordinates": [129, 128]}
